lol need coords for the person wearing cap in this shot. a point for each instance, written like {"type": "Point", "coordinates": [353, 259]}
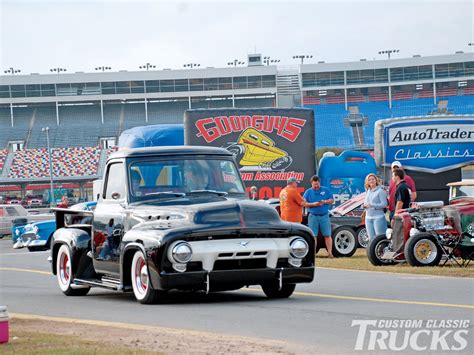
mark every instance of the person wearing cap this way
{"type": "Point", "coordinates": [319, 198]}
{"type": "Point", "coordinates": [392, 187]}
{"type": "Point", "coordinates": [291, 202]}
{"type": "Point", "coordinates": [402, 193]}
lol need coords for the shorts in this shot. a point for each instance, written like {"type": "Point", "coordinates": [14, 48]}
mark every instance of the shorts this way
{"type": "Point", "coordinates": [320, 223]}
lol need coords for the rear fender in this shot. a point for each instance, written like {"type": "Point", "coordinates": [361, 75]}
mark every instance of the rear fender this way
{"type": "Point", "coordinates": [78, 241]}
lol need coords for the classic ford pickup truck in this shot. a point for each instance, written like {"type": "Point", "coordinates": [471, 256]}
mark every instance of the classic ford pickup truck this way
{"type": "Point", "coordinates": [177, 218]}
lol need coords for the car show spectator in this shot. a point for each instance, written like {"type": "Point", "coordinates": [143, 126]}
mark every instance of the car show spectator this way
{"type": "Point", "coordinates": [291, 202]}
{"type": "Point", "coordinates": [392, 187]}
{"type": "Point", "coordinates": [402, 193]}
{"type": "Point", "coordinates": [375, 204]}
{"type": "Point", "coordinates": [319, 199]}
{"type": "Point", "coordinates": [64, 202]}
{"type": "Point", "coordinates": [253, 193]}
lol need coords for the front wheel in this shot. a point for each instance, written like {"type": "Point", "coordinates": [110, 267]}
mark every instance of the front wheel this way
{"type": "Point", "coordinates": [344, 242]}
{"type": "Point", "coordinates": [377, 249]}
{"type": "Point", "coordinates": [423, 250]}
{"type": "Point", "coordinates": [142, 288]}
{"type": "Point", "coordinates": [363, 237]}
{"type": "Point", "coordinates": [64, 274]}
{"type": "Point", "coordinates": [273, 290]}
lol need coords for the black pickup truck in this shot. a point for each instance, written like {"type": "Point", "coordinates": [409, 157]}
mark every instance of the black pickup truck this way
{"type": "Point", "coordinates": [177, 218]}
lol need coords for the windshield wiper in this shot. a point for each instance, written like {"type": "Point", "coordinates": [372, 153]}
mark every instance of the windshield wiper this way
{"type": "Point", "coordinates": [165, 194]}
{"type": "Point", "coordinates": [203, 192]}
{"type": "Point", "coordinates": [160, 197]}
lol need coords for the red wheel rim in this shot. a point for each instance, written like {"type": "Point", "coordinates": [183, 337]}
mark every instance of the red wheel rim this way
{"type": "Point", "coordinates": [141, 276]}
{"type": "Point", "coordinates": [64, 269]}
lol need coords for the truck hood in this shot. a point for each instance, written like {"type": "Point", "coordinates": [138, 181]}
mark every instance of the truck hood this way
{"type": "Point", "coordinates": [229, 213]}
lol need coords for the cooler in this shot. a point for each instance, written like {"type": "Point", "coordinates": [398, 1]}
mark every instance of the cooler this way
{"type": "Point", "coordinates": [3, 325]}
{"type": "Point", "coordinates": [344, 175]}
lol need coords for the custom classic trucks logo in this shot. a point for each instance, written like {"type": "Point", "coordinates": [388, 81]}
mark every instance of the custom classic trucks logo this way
{"type": "Point", "coordinates": [434, 146]}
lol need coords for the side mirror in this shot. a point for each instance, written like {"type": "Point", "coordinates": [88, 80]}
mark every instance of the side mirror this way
{"type": "Point", "coordinates": [115, 195]}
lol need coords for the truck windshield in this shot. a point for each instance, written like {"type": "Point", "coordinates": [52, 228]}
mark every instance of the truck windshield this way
{"type": "Point", "coordinates": [155, 179]}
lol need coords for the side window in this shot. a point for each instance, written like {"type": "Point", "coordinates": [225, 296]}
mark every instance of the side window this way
{"type": "Point", "coordinates": [115, 181]}
{"type": "Point", "coordinates": [12, 211]}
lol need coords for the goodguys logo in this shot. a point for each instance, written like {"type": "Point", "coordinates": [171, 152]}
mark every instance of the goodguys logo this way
{"type": "Point", "coordinates": [212, 128]}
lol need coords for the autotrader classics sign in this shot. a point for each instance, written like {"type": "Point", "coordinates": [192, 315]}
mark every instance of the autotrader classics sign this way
{"type": "Point", "coordinates": [430, 144]}
{"type": "Point", "coordinates": [269, 144]}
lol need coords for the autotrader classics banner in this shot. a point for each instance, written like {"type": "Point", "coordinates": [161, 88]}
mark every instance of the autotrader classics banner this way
{"type": "Point", "coordinates": [430, 144]}
{"type": "Point", "coordinates": [270, 145]}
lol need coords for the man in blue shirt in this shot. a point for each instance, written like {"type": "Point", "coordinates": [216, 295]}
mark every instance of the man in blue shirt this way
{"type": "Point", "coordinates": [319, 199]}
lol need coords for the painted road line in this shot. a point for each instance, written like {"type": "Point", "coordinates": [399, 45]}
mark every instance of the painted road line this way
{"type": "Point", "coordinates": [16, 254]}
{"type": "Point", "coordinates": [396, 273]}
{"type": "Point", "coordinates": [319, 295]}
{"type": "Point", "coordinates": [370, 299]}
{"type": "Point", "coordinates": [26, 270]}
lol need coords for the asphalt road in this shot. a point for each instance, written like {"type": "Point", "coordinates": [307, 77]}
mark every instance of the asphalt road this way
{"type": "Point", "coordinates": [318, 316]}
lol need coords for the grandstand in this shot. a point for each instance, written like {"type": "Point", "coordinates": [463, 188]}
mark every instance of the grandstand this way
{"type": "Point", "coordinates": [86, 112]}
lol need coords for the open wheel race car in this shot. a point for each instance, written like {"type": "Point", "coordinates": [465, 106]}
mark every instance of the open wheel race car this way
{"type": "Point", "coordinates": [422, 235]}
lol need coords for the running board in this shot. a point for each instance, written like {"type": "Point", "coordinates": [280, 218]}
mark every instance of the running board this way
{"type": "Point", "coordinates": [108, 283]}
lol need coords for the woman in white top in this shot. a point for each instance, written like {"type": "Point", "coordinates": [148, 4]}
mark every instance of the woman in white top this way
{"type": "Point", "coordinates": [375, 204]}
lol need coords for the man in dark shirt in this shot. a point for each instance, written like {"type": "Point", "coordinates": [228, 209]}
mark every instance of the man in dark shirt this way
{"type": "Point", "coordinates": [402, 193]}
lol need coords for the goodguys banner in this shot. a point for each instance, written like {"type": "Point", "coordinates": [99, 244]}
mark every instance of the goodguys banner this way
{"type": "Point", "coordinates": [270, 145]}
{"type": "Point", "coordinates": [429, 144]}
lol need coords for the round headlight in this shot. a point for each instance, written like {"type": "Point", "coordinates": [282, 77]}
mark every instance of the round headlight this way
{"type": "Point", "coordinates": [388, 233]}
{"type": "Point", "coordinates": [35, 229]}
{"type": "Point", "coordinates": [299, 248]}
{"type": "Point", "coordinates": [17, 232]}
{"type": "Point", "coordinates": [182, 253]}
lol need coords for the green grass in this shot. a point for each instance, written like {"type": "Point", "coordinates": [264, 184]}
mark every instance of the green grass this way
{"type": "Point", "coordinates": [359, 261]}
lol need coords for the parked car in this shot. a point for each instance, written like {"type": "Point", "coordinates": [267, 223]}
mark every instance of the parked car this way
{"type": "Point", "coordinates": [151, 232]}
{"type": "Point", "coordinates": [423, 234]}
{"type": "Point", "coordinates": [17, 215]}
{"type": "Point", "coordinates": [37, 236]}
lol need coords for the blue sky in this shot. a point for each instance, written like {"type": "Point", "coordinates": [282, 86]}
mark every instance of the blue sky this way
{"type": "Point", "coordinates": [80, 35]}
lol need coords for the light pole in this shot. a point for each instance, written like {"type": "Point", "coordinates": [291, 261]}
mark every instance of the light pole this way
{"type": "Point", "coordinates": [235, 62]}
{"type": "Point", "coordinates": [302, 57]}
{"type": "Point", "coordinates": [389, 52]}
{"type": "Point", "coordinates": [52, 203]}
{"type": "Point", "coordinates": [12, 71]}
{"type": "Point", "coordinates": [102, 68]}
{"type": "Point", "coordinates": [191, 65]}
{"type": "Point", "coordinates": [57, 70]}
{"type": "Point", "coordinates": [147, 66]}
{"type": "Point", "coordinates": [267, 60]}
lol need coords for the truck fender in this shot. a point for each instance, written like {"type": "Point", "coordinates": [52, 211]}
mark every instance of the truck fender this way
{"type": "Point", "coordinates": [78, 241]}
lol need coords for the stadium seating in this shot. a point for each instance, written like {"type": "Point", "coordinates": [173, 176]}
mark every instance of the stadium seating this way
{"type": "Point", "coordinates": [3, 156]}
{"type": "Point", "coordinates": [332, 115]}
{"type": "Point", "coordinates": [167, 112]}
{"type": "Point", "coordinates": [75, 161]}
{"type": "Point", "coordinates": [254, 102]}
